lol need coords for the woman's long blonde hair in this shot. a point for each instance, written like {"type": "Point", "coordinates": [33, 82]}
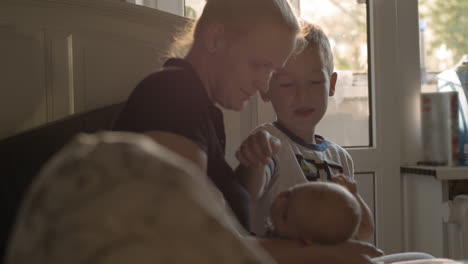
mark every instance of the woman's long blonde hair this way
{"type": "Point", "coordinates": [235, 15]}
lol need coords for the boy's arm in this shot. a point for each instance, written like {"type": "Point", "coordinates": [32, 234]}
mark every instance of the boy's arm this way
{"type": "Point", "coordinates": [255, 179]}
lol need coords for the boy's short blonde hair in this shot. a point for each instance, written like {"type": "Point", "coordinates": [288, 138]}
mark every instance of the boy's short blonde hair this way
{"type": "Point", "coordinates": [238, 16]}
{"type": "Point", "coordinates": [312, 36]}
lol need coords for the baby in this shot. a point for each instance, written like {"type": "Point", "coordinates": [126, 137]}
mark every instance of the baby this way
{"type": "Point", "coordinates": [320, 212]}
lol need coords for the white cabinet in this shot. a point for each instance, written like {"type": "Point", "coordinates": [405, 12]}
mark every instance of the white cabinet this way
{"type": "Point", "coordinates": [108, 67]}
{"type": "Point", "coordinates": [23, 90]}
{"type": "Point", "coordinates": [429, 208]}
{"type": "Point", "coordinates": [67, 56]}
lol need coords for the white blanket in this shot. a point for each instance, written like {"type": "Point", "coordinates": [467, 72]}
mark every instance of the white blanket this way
{"type": "Point", "coordinates": [120, 198]}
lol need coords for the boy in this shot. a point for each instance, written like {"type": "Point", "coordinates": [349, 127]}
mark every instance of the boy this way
{"type": "Point", "coordinates": [299, 94]}
{"type": "Point", "coordinates": [314, 212]}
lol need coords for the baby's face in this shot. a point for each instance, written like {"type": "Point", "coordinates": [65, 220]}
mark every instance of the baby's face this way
{"type": "Point", "coordinates": [291, 210]}
{"type": "Point", "coordinates": [315, 212]}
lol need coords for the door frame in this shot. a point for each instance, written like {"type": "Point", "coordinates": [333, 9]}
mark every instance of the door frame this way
{"type": "Point", "coordinates": [395, 86]}
{"type": "Point", "coordinates": [395, 93]}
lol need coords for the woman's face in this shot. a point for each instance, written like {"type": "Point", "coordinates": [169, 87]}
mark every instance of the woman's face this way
{"type": "Point", "coordinates": [246, 63]}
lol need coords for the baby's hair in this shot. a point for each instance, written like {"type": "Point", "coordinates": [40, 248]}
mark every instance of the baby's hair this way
{"type": "Point", "coordinates": [338, 213]}
{"type": "Point", "coordinates": [344, 216]}
{"type": "Point", "coordinates": [236, 16]}
{"type": "Point", "coordinates": [312, 36]}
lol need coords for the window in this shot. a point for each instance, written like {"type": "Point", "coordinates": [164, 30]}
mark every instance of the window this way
{"type": "Point", "coordinates": [347, 121]}
{"type": "Point", "coordinates": [147, 3]}
{"type": "Point", "coordinates": [443, 34]}
{"type": "Point", "coordinates": [194, 8]}
{"type": "Point", "coordinates": [170, 6]}
{"type": "Point", "coordinates": [188, 8]}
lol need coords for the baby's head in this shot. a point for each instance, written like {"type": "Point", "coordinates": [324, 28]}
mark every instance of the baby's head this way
{"type": "Point", "coordinates": [299, 92]}
{"type": "Point", "coordinates": [316, 212]}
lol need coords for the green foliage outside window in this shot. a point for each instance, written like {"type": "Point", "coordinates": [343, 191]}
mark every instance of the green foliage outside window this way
{"type": "Point", "coordinates": [448, 19]}
{"type": "Point", "coordinates": [190, 12]}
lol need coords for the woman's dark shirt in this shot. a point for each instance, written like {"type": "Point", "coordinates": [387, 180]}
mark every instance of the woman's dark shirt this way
{"type": "Point", "coordinates": [175, 100]}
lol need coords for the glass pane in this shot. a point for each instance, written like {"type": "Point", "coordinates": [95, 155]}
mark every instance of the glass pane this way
{"type": "Point", "coordinates": [171, 6]}
{"type": "Point", "coordinates": [345, 22]}
{"type": "Point", "coordinates": [194, 8]}
{"type": "Point", "coordinates": [443, 33]}
{"type": "Point", "coordinates": [147, 3]}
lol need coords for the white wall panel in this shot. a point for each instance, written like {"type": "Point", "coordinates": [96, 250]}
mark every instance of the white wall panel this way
{"type": "Point", "coordinates": [23, 94]}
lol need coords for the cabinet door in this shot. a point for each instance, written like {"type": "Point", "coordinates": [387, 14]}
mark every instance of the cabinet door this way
{"type": "Point", "coordinates": [425, 204]}
{"type": "Point", "coordinates": [107, 68]}
{"type": "Point", "coordinates": [63, 57]}
{"type": "Point", "coordinates": [366, 187]}
{"type": "Point", "coordinates": [23, 93]}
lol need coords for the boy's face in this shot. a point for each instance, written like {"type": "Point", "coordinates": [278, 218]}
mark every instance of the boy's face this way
{"type": "Point", "coordinates": [299, 92]}
{"type": "Point", "coordinates": [245, 62]}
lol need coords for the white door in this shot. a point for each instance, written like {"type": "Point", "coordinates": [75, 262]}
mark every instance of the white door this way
{"type": "Point", "coordinates": [374, 110]}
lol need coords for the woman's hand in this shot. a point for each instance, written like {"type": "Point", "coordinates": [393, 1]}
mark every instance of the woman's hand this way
{"type": "Point", "coordinates": [291, 252]}
{"type": "Point", "coordinates": [351, 252]}
{"type": "Point", "coordinates": [257, 149]}
{"type": "Point", "coordinates": [256, 162]}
